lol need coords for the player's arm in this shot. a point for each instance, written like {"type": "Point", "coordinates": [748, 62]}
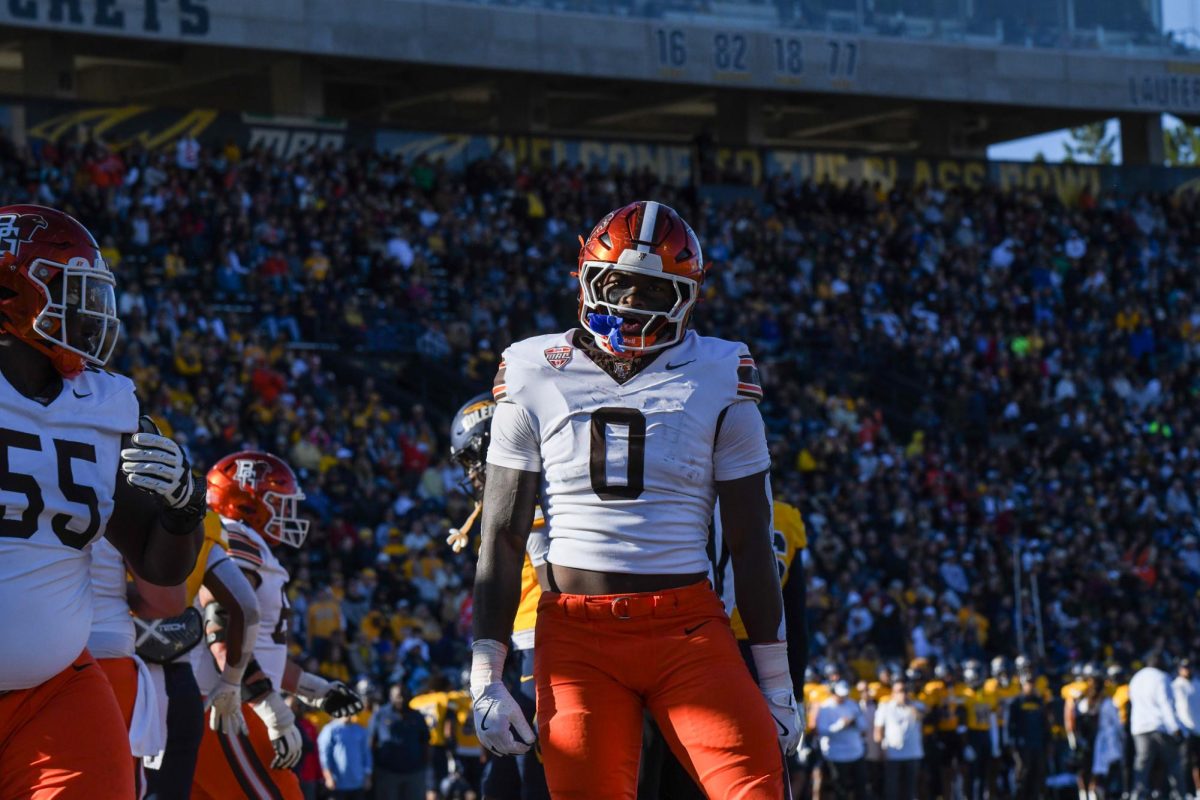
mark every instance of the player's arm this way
{"type": "Point", "coordinates": [231, 620]}
{"type": "Point", "coordinates": [150, 601]}
{"type": "Point", "coordinates": [159, 540]}
{"type": "Point", "coordinates": [510, 493]}
{"type": "Point", "coordinates": [333, 697]}
{"type": "Point", "coordinates": [746, 522]}
{"type": "Point", "coordinates": [741, 464]}
{"type": "Point", "coordinates": [508, 506]}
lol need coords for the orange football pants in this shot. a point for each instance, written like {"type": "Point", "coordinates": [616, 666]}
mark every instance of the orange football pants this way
{"type": "Point", "coordinates": [65, 739]}
{"type": "Point", "coordinates": [240, 766]}
{"type": "Point", "coordinates": [601, 659]}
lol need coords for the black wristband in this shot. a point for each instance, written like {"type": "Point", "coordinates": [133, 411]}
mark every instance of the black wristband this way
{"type": "Point", "coordinates": [255, 683]}
{"type": "Point", "coordinates": [183, 521]}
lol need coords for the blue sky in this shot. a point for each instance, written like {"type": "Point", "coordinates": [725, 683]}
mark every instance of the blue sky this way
{"type": "Point", "coordinates": [1182, 16]}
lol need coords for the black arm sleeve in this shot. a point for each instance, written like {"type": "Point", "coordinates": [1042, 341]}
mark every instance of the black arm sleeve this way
{"type": "Point", "coordinates": [795, 601]}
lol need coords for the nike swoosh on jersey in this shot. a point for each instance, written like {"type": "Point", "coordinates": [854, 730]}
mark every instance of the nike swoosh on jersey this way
{"type": "Point", "coordinates": [80, 396]}
{"type": "Point", "coordinates": [694, 628]}
{"type": "Point", "coordinates": [677, 366]}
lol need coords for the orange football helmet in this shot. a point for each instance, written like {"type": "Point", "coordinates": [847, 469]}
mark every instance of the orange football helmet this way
{"type": "Point", "coordinates": [56, 293]}
{"type": "Point", "coordinates": [261, 491]}
{"type": "Point", "coordinates": [643, 238]}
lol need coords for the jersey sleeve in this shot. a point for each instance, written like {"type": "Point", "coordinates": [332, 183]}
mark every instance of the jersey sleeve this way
{"type": "Point", "coordinates": [741, 447]}
{"type": "Point", "coordinates": [514, 439]}
{"type": "Point", "coordinates": [749, 384]}
{"type": "Point", "coordinates": [244, 551]}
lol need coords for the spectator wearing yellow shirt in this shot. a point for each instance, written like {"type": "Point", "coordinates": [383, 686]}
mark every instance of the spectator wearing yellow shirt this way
{"type": "Point", "coordinates": [324, 618]}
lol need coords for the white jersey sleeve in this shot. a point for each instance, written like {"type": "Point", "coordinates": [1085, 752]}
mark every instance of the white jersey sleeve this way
{"type": "Point", "coordinates": [112, 634]}
{"type": "Point", "coordinates": [741, 443]}
{"type": "Point", "coordinates": [514, 443]}
{"type": "Point", "coordinates": [628, 469]}
{"type": "Point", "coordinates": [59, 462]}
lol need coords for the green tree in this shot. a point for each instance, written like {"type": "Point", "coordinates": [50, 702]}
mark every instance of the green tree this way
{"type": "Point", "coordinates": [1182, 144]}
{"type": "Point", "coordinates": [1091, 144]}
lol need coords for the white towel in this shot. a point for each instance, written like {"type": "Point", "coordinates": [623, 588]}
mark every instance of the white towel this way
{"type": "Point", "coordinates": [148, 728]}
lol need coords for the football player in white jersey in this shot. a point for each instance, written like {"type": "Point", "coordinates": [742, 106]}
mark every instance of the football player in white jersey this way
{"type": "Point", "coordinates": [73, 467]}
{"type": "Point", "coordinates": [258, 497]}
{"type": "Point", "coordinates": [629, 430]}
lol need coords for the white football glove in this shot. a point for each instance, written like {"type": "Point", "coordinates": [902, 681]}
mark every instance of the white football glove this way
{"type": "Point", "coordinates": [281, 726]}
{"type": "Point", "coordinates": [499, 722]}
{"type": "Point", "coordinates": [225, 709]}
{"type": "Point", "coordinates": [775, 682]}
{"type": "Point", "coordinates": [157, 464]}
{"type": "Point", "coordinates": [333, 697]}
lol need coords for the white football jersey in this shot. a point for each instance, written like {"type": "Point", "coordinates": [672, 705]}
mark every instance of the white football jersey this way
{"type": "Point", "coordinates": [250, 552]}
{"type": "Point", "coordinates": [113, 634]}
{"type": "Point", "coordinates": [629, 470]}
{"type": "Point", "coordinates": [58, 472]}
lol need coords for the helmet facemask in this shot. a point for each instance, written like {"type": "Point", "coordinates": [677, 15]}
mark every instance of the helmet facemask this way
{"type": "Point", "coordinates": [621, 329]}
{"type": "Point", "coordinates": [285, 525]}
{"type": "Point", "coordinates": [472, 458]}
{"type": "Point", "coordinates": [80, 315]}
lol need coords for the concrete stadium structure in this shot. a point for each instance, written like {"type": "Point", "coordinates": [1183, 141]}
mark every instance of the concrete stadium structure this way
{"type": "Point", "coordinates": [740, 78]}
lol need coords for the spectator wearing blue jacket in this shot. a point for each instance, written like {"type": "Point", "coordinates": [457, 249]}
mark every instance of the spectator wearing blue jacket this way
{"type": "Point", "coordinates": [345, 759]}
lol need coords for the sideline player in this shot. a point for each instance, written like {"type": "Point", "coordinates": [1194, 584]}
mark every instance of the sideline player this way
{"type": "Point", "coordinates": [112, 642]}
{"type": "Point", "coordinates": [518, 777]}
{"type": "Point", "coordinates": [236, 614]}
{"type": "Point", "coordinates": [257, 496]}
{"type": "Point", "coordinates": [630, 430]}
{"type": "Point", "coordinates": [73, 467]}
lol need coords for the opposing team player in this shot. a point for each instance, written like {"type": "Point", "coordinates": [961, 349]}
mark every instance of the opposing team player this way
{"type": "Point", "coordinates": [66, 480]}
{"type": "Point", "coordinates": [518, 777]}
{"type": "Point", "coordinates": [112, 642]}
{"type": "Point", "coordinates": [258, 497]}
{"type": "Point", "coordinates": [216, 585]}
{"type": "Point", "coordinates": [630, 430]}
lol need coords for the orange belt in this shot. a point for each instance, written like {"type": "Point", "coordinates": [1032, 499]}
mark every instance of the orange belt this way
{"type": "Point", "coordinates": [629, 606]}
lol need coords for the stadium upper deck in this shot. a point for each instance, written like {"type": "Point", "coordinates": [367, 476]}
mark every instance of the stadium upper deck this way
{"type": "Point", "coordinates": [938, 77]}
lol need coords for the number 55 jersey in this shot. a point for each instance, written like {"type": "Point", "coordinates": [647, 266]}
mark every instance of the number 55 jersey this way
{"type": "Point", "coordinates": [629, 469]}
{"type": "Point", "coordinates": [58, 472]}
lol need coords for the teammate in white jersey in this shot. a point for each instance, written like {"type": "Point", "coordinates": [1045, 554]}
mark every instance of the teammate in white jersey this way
{"type": "Point", "coordinates": [629, 430]}
{"type": "Point", "coordinates": [258, 497]}
{"type": "Point", "coordinates": [69, 473]}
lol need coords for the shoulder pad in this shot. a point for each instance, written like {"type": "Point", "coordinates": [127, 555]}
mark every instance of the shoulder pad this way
{"type": "Point", "coordinates": [528, 357]}
{"type": "Point", "coordinates": [113, 397]}
{"type": "Point", "coordinates": [734, 357]}
{"type": "Point", "coordinates": [749, 384]}
{"type": "Point", "coordinates": [244, 550]}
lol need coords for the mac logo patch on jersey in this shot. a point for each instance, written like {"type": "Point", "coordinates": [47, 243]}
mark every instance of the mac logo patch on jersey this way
{"type": "Point", "coordinates": [558, 356]}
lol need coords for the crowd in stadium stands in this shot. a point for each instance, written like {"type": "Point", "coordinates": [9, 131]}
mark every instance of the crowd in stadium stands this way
{"type": "Point", "coordinates": [954, 380]}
